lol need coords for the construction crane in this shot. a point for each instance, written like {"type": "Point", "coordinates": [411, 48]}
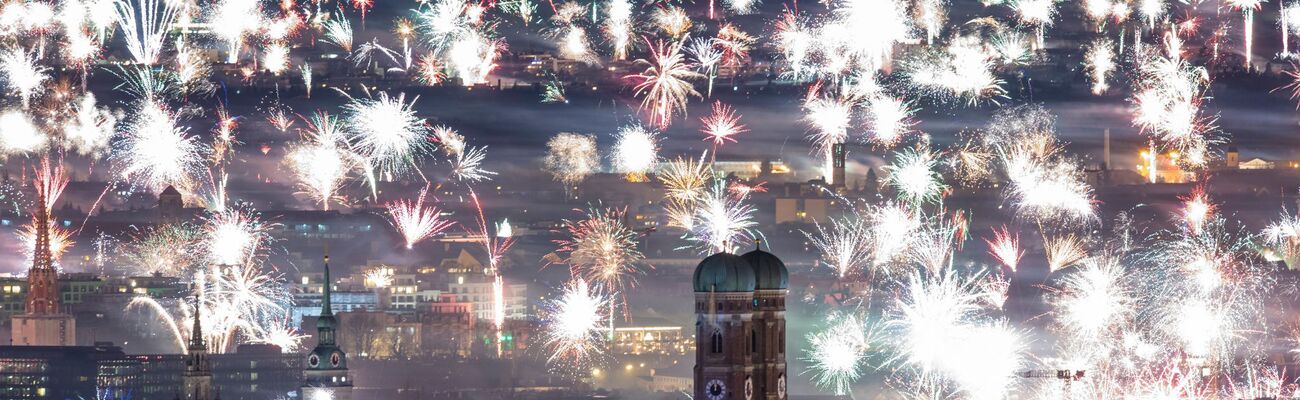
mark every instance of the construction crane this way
{"type": "Point", "coordinates": [1065, 375]}
{"type": "Point", "coordinates": [1062, 374]}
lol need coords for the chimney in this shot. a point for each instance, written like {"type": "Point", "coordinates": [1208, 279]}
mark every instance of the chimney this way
{"type": "Point", "coordinates": [837, 165]}
{"type": "Point", "coordinates": [1105, 152]}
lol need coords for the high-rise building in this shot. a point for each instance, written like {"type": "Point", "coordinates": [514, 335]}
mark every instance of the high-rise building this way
{"type": "Point", "coordinates": [196, 381]}
{"type": "Point", "coordinates": [740, 327]}
{"type": "Point", "coordinates": [327, 368]}
{"type": "Point", "coordinates": [42, 323]}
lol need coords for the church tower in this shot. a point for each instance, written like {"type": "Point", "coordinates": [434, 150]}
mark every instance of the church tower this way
{"type": "Point", "coordinates": [772, 282]}
{"type": "Point", "coordinates": [740, 327]}
{"type": "Point", "coordinates": [327, 367]}
{"type": "Point", "coordinates": [41, 324]}
{"type": "Point", "coordinates": [196, 381]}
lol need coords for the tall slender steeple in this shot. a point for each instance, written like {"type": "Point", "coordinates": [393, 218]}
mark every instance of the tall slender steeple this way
{"type": "Point", "coordinates": [196, 333]}
{"type": "Point", "coordinates": [42, 279]}
{"type": "Point", "coordinates": [41, 324]}
{"type": "Point", "coordinates": [327, 367]}
{"type": "Point", "coordinates": [325, 306]}
{"type": "Point", "coordinates": [197, 378]}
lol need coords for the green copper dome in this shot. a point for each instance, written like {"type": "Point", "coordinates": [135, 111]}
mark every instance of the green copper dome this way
{"type": "Point", "coordinates": [769, 271]}
{"type": "Point", "coordinates": [724, 272]}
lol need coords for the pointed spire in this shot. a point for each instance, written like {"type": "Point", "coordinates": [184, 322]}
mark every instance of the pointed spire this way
{"type": "Point", "coordinates": [325, 293]}
{"type": "Point", "coordinates": [41, 258]}
{"type": "Point", "coordinates": [196, 334]}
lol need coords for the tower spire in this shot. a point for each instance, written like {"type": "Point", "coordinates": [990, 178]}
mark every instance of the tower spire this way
{"type": "Point", "coordinates": [325, 292]}
{"type": "Point", "coordinates": [41, 258]}
{"type": "Point", "coordinates": [196, 334]}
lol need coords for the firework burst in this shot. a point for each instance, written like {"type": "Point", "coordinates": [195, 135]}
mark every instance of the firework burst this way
{"type": "Point", "coordinates": [571, 157]}
{"type": "Point", "coordinates": [415, 221]}
{"type": "Point", "coordinates": [664, 84]}
{"type": "Point", "coordinates": [574, 331]}
{"type": "Point", "coordinates": [601, 248]}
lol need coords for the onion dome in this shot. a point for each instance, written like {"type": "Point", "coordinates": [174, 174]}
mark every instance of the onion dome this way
{"type": "Point", "coordinates": [724, 272]}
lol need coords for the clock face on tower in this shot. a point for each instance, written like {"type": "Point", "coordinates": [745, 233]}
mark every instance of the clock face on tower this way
{"type": "Point", "coordinates": [715, 389]}
{"type": "Point", "coordinates": [780, 387]}
{"type": "Point", "coordinates": [749, 388]}
{"type": "Point", "coordinates": [313, 360]}
{"type": "Point", "coordinates": [334, 359]}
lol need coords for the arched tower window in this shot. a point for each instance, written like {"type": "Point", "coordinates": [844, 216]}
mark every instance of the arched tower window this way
{"type": "Point", "coordinates": [753, 341]}
{"type": "Point", "coordinates": [716, 342]}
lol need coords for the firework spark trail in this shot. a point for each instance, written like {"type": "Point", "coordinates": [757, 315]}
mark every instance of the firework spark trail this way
{"type": "Point", "coordinates": [1044, 184]}
{"type": "Point", "coordinates": [1168, 98]}
{"type": "Point", "coordinates": [601, 248]}
{"type": "Point", "coordinates": [495, 246]}
{"type": "Point", "coordinates": [571, 157]}
{"type": "Point", "coordinates": [23, 73]}
{"type": "Point", "coordinates": [890, 119]}
{"type": "Point", "coordinates": [240, 304]}
{"type": "Point", "coordinates": [664, 85]}
{"type": "Point", "coordinates": [155, 151]}
{"type": "Point", "coordinates": [169, 249]}
{"type": "Point", "coordinates": [893, 229]}
{"type": "Point", "coordinates": [235, 237]}
{"type": "Point", "coordinates": [339, 33]}
{"type": "Point", "coordinates": [838, 352]}
{"type": "Point", "coordinates": [89, 130]}
{"type": "Point", "coordinates": [144, 25]}
{"type": "Point", "coordinates": [1247, 8]}
{"type": "Point", "coordinates": [554, 93]}
{"type": "Point", "coordinates": [1037, 13]}
{"type": "Point", "coordinates": [1005, 248]}
{"type": "Point", "coordinates": [722, 126]}
{"type": "Point", "coordinates": [618, 27]}
{"type": "Point", "coordinates": [933, 246]}
{"type": "Point", "coordinates": [474, 56]}
{"type": "Point", "coordinates": [415, 221]}
{"type": "Point", "coordinates": [721, 221]}
{"type": "Point", "coordinates": [931, 14]}
{"type": "Point", "coordinates": [387, 133]}
{"type": "Point", "coordinates": [571, 39]}
{"type": "Point", "coordinates": [379, 277]}
{"type": "Point", "coordinates": [1063, 251]}
{"type": "Point", "coordinates": [797, 44]}
{"type": "Point", "coordinates": [1100, 64]}
{"type": "Point", "coordinates": [868, 30]}
{"type": "Point", "coordinates": [19, 134]}
{"type": "Point", "coordinates": [845, 244]}
{"type": "Point", "coordinates": [1197, 209]}
{"type": "Point", "coordinates": [49, 180]}
{"type": "Point", "coordinates": [685, 180]}
{"type": "Point", "coordinates": [467, 165]}
{"type": "Point", "coordinates": [941, 332]}
{"type": "Point", "coordinates": [914, 176]}
{"type": "Point", "coordinates": [636, 151]}
{"type": "Point", "coordinates": [672, 21]}
{"type": "Point", "coordinates": [830, 119]}
{"type": "Point", "coordinates": [232, 20]}
{"type": "Point", "coordinates": [321, 160]}
{"type": "Point", "coordinates": [573, 324]}
{"type": "Point", "coordinates": [1093, 301]}
{"type": "Point", "coordinates": [962, 70]}
{"type": "Point", "coordinates": [275, 58]}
